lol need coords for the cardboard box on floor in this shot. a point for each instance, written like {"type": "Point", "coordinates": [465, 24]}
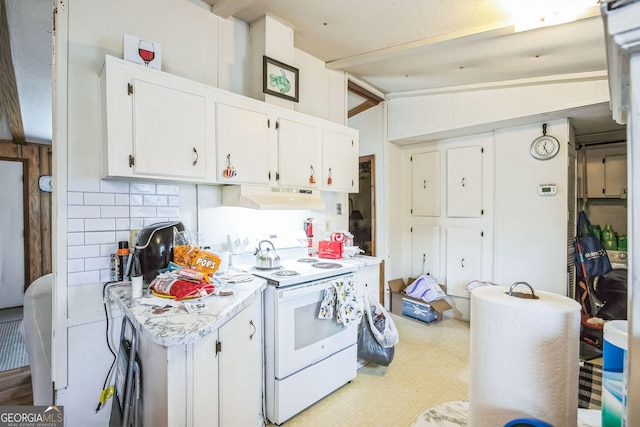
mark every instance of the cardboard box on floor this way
{"type": "Point", "coordinates": [415, 308]}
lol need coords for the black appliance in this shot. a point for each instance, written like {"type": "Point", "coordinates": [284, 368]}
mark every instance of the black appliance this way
{"type": "Point", "coordinates": [154, 246]}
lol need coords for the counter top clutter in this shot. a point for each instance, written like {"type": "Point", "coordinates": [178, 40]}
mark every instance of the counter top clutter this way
{"type": "Point", "coordinates": [168, 322]}
{"type": "Point", "coordinates": [361, 261]}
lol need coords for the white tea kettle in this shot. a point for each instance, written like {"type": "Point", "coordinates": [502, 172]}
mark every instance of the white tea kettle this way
{"type": "Point", "coordinates": [266, 258]}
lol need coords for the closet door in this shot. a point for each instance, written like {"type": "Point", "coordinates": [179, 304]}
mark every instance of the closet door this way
{"type": "Point", "coordinates": [425, 184]}
{"type": "Point", "coordinates": [425, 250]}
{"type": "Point", "coordinates": [464, 182]}
{"type": "Point", "coordinates": [464, 258]}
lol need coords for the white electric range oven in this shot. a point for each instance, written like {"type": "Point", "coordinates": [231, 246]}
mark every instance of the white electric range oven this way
{"type": "Point", "coordinates": [306, 358]}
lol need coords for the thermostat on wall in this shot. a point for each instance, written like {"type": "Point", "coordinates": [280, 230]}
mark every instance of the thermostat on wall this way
{"type": "Point", "coordinates": [547, 190]}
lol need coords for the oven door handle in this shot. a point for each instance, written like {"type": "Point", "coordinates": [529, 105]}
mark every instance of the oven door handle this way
{"type": "Point", "coordinates": [309, 288]}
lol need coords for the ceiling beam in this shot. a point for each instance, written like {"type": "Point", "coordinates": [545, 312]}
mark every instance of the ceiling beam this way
{"type": "Point", "coordinates": [9, 100]}
{"type": "Point", "coordinates": [227, 8]}
{"type": "Point", "coordinates": [371, 99]}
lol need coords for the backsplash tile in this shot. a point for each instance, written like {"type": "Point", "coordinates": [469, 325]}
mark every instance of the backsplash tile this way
{"type": "Point", "coordinates": [101, 213]}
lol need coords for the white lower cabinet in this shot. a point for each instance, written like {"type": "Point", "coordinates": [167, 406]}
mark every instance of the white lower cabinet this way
{"type": "Point", "coordinates": [368, 279]}
{"type": "Point", "coordinates": [216, 381]}
{"type": "Point", "coordinates": [464, 258]}
{"type": "Point", "coordinates": [425, 250]}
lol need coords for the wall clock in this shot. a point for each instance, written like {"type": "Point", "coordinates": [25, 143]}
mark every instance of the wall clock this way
{"type": "Point", "coordinates": [544, 147]}
{"type": "Point", "coordinates": [46, 183]}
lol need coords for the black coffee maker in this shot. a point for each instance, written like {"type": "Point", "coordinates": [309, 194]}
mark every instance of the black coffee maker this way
{"type": "Point", "coordinates": [154, 246]}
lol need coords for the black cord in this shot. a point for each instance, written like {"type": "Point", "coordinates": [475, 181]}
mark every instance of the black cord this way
{"type": "Point", "coordinates": [106, 314]}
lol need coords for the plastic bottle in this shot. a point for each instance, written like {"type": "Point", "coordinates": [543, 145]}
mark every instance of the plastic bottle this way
{"type": "Point", "coordinates": [597, 232]}
{"type": "Point", "coordinates": [123, 257]}
{"type": "Point", "coordinates": [609, 238]}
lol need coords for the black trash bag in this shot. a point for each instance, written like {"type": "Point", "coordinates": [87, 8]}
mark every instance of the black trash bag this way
{"type": "Point", "coordinates": [369, 349]}
{"type": "Point", "coordinates": [612, 289]}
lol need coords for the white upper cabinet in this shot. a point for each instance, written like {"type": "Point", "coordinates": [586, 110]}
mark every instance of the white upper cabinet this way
{"type": "Point", "coordinates": [155, 125]}
{"type": "Point", "coordinates": [340, 170]}
{"type": "Point", "coordinates": [425, 184]}
{"type": "Point", "coordinates": [464, 182]}
{"type": "Point", "coordinates": [244, 146]}
{"type": "Point", "coordinates": [299, 158]}
{"type": "Point", "coordinates": [606, 172]}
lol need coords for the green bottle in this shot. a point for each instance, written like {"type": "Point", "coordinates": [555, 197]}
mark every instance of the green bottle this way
{"type": "Point", "coordinates": [609, 238]}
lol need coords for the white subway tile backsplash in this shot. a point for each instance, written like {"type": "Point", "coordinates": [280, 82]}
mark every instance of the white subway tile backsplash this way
{"type": "Point", "coordinates": [135, 200]}
{"type": "Point", "coordinates": [105, 224]}
{"type": "Point", "coordinates": [173, 190]}
{"type": "Point", "coordinates": [75, 225]}
{"type": "Point", "coordinates": [108, 249]}
{"type": "Point", "coordinates": [91, 185]}
{"type": "Point", "coordinates": [100, 237]}
{"type": "Point", "coordinates": [114, 186]}
{"type": "Point", "coordinates": [114, 211]}
{"type": "Point", "coordinates": [168, 211]}
{"type": "Point", "coordinates": [122, 224]}
{"type": "Point", "coordinates": [143, 211]}
{"type": "Point", "coordinates": [100, 199]}
{"type": "Point", "coordinates": [149, 200]}
{"type": "Point", "coordinates": [142, 188]}
{"type": "Point", "coordinates": [87, 251]}
{"type": "Point", "coordinates": [100, 263]}
{"type": "Point", "coordinates": [75, 198]}
{"type": "Point", "coordinates": [75, 239]}
{"type": "Point", "coordinates": [75, 265]}
{"type": "Point", "coordinates": [122, 199]}
{"type": "Point", "coordinates": [101, 213]}
{"type": "Point", "coordinates": [136, 223]}
{"type": "Point", "coordinates": [83, 212]}
{"type": "Point", "coordinates": [83, 278]}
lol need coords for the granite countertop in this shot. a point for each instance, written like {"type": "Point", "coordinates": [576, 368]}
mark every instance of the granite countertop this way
{"type": "Point", "coordinates": [174, 325]}
{"type": "Point", "coordinates": [361, 261]}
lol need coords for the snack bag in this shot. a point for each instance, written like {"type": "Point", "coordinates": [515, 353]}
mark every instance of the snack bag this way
{"type": "Point", "coordinates": [206, 262]}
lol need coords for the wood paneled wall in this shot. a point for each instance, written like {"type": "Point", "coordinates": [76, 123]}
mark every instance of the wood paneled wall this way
{"type": "Point", "coordinates": [36, 160]}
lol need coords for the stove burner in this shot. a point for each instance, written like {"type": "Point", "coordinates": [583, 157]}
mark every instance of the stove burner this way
{"type": "Point", "coordinates": [266, 268]}
{"type": "Point", "coordinates": [326, 265]}
{"type": "Point", "coordinates": [286, 273]}
{"type": "Point", "coordinates": [308, 260]}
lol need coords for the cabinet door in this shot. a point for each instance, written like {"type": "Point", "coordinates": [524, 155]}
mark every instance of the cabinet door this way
{"type": "Point", "coordinates": [368, 280]}
{"type": "Point", "coordinates": [464, 182]}
{"type": "Point", "coordinates": [425, 184]}
{"type": "Point", "coordinates": [425, 251]}
{"type": "Point", "coordinates": [464, 259]}
{"type": "Point", "coordinates": [615, 176]}
{"type": "Point", "coordinates": [205, 381]}
{"type": "Point", "coordinates": [298, 154]}
{"type": "Point", "coordinates": [340, 161]}
{"type": "Point", "coordinates": [170, 128]}
{"type": "Point", "coordinates": [595, 174]}
{"type": "Point", "coordinates": [243, 144]}
{"type": "Point", "coordinates": [241, 368]}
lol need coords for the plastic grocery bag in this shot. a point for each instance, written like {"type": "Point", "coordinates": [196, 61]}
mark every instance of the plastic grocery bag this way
{"type": "Point", "coordinates": [382, 326]}
{"type": "Point", "coordinates": [370, 349]}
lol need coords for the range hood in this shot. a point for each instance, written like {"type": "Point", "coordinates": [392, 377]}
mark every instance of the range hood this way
{"type": "Point", "coordinates": [257, 197]}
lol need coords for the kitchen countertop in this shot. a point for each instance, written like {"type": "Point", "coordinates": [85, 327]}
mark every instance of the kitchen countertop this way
{"type": "Point", "coordinates": [176, 326]}
{"type": "Point", "coordinates": [361, 261]}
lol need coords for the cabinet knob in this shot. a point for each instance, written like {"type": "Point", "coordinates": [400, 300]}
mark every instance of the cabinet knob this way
{"type": "Point", "coordinates": [463, 184]}
{"type": "Point", "coordinates": [424, 184]}
{"type": "Point", "coordinates": [196, 158]}
{"type": "Point", "coordinates": [462, 263]}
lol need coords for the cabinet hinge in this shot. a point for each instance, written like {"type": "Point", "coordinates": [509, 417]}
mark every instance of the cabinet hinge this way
{"type": "Point", "coordinates": [129, 88]}
{"type": "Point", "coordinates": [411, 211]}
{"type": "Point", "coordinates": [412, 227]}
{"type": "Point", "coordinates": [277, 124]}
{"type": "Point", "coordinates": [277, 176]}
{"type": "Point", "coordinates": [352, 143]}
{"type": "Point", "coordinates": [603, 191]}
{"type": "Point", "coordinates": [604, 160]}
{"type": "Point", "coordinates": [481, 211]}
{"type": "Point", "coordinates": [132, 161]}
{"type": "Point", "coordinates": [482, 150]}
{"type": "Point", "coordinates": [482, 234]}
{"type": "Point", "coordinates": [269, 123]}
{"type": "Point", "coordinates": [218, 347]}
{"type": "Point", "coordinates": [269, 175]}
{"type": "Point", "coordinates": [411, 159]}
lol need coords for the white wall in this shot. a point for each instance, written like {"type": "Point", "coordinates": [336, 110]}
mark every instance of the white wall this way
{"type": "Point", "coordinates": [531, 230]}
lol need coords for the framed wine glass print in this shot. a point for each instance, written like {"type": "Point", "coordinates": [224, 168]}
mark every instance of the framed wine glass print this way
{"type": "Point", "coordinates": [279, 79]}
{"type": "Point", "coordinates": [142, 51]}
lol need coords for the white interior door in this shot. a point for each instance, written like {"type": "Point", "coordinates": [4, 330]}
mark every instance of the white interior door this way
{"type": "Point", "coordinates": [12, 226]}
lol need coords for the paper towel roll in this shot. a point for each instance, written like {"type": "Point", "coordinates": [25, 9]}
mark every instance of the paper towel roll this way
{"type": "Point", "coordinates": [524, 357]}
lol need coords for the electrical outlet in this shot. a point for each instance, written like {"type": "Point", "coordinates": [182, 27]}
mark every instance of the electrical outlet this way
{"type": "Point", "coordinates": [338, 208]}
{"type": "Point", "coordinates": [133, 236]}
{"type": "Point", "coordinates": [327, 225]}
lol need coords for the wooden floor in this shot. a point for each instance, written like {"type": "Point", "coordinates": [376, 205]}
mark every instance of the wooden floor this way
{"type": "Point", "coordinates": [15, 387]}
